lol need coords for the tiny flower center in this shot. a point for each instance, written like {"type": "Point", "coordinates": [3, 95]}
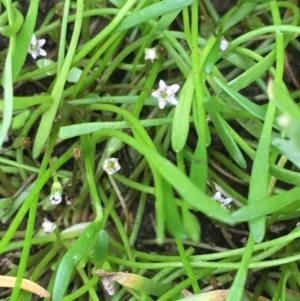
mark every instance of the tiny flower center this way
{"type": "Point", "coordinates": [34, 47]}
{"type": "Point", "coordinates": [111, 165]}
{"type": "Point", "coordinates": [164, 95]}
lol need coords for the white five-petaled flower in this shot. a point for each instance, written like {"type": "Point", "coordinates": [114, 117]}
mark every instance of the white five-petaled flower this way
{"type": "Point", "coordinates": [151, 54]}
{"type": "Point", "coordinates": [166, 94]}
{"type": "Point", "coordinates": [55, 198]}
{"type": "Point", "coordinates": [48, 226]}
{"type": "Point", "coordinates": [224, 201]}
{"type": "Point", "coordinates": [35, 47]}
{"type": "Point", "coordinates": [111, 165]}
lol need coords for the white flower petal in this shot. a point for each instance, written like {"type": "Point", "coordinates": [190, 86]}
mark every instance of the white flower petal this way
{"type": "Point", "coordinates": [42, 52]}
{"type": "Point", "coordinates": [156, 94]}
{"type": "Point", "coordinates": [226, 201]}
{"type": "Point", "coordinates": [162, 103]}
{"type": "Point", "coordinates": [173, 101]}
{"type": "Point", "coordinates": [218, 196]}
{"type": "Point", "coordinates": [33, 54]}
{"type": "Point", "coordinates": [41, 42]}
{"type": "Point", "coordinates": [33, 40]}
{"type": "Point", "coordinates": [56, 198]}
{"type": "Point", "coordinates": [162, 85]}
{"type": "Point", "coordinates": [174, 88]}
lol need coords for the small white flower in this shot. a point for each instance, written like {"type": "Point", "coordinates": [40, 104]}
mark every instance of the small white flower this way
{"type": "Point", "coordinates": [151, 54]}
{"type": "Point", "coordinates": [48, 226]}
{"type": "Point", "coordinates": [224, 44]}
{"type": "Point", "coordinates": [166, 94]}
{"type": "Point", "coordinates": [284, 120]}
{"type": "Point", "coordinates": [224, 201]}
{"type": "Point", "coordinates": [35, 47]}
{"type": "Point", "coordinates": [111, 165]}
{"type": "Point", "coordinates": [55, 198]}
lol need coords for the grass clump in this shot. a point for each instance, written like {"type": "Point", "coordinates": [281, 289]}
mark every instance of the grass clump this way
{"type": "Point", "coordinates": [149, 150]}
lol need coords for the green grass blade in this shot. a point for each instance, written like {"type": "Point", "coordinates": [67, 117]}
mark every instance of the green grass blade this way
{"type": "Point", "coordinates": [266, 206]}
{"type": "Point", "coordinates": [151, 12]}
{"type": "Point", "coordinates": [48, 117]}
{"type": "Point", "coordinates": [82, 245]}
{"type": "Point", "coordinates": [181, 122]}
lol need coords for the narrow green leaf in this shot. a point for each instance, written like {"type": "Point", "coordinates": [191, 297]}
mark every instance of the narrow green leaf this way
{"type": "Point", "coordinates": [74, 75]}
{"type": "Point", "coordinates": [288, 148]}
{"type": "Point", "coordinates": [199, 171]}
{"type": "Point", "coordinates": [191, 225]}
{"type": "Point", "coordinates": [181, 122]}
{"type": "Point", "coordinates": [171, 213]}
{"type": "Point", "coordinates": [227, 139]}
{"type": "Point", "coordinates": [151, 12]}
{"type": "Point", "coordinates": [41, 63]}
{"type": "Point", "coordinates": [20, 119]}
{"type": "Point", "coordinates": [12, 29]}
{"type": "Point", "coordinates": [101, 246]}
{"type": "Point", "coordinates": [267, 206]}
{"type": "Point", "coordinates": [253, 73]}
{"type": "Point", "coordinates": [241, 100]}
{"type": "Point", "coordinates": [82, 245]}
{"type": "Point", "coordinates": [285, 175]}
{"type": "Point", "coordinates": [239, 14]}
{"type": "Point", "coordinates": [23, 38]}
{"type": "Point", "coordinates": [259, 181]}
{"type": "Point", "coordinates": [213, 55]}
{"type": "Point", "coordinates": [48, 117]}
{"type": "Point", "coordinates": [237, 288]}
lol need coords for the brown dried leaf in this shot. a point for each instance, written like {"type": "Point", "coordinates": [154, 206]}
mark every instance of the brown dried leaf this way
{"type": "Point", "coordinates": [30, 286]}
